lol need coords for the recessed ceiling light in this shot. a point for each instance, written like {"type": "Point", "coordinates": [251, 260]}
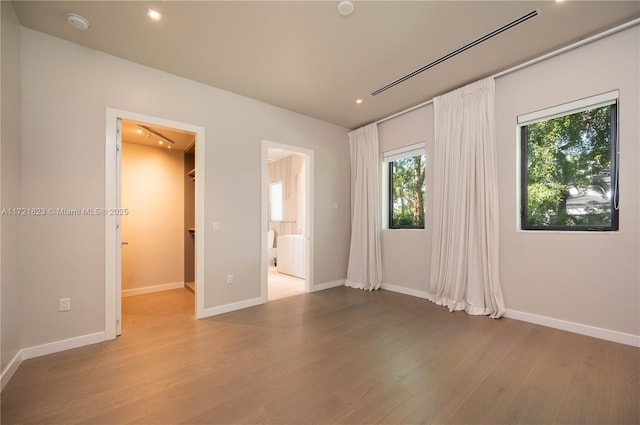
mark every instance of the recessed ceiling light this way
{"type": "Point", "coordinates": [139, 131]}
{"type": "Point", "coordinates": [168, 146]}
{"type": "Point", "coordinates": [358, 101]}
{"type": "Point", "coordinates": [77, 21]}
{"type": "Point", "coordinates": [159, 142]}
{"type": "Point", "coordinates": [345, 8]}
{"type": "Point", "coordinates": [154, 14]}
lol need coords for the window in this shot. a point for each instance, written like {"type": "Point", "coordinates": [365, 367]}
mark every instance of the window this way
{"type": "Point", "coordinates": [275, 201]}
{"type": "Point", "coordinates": [406, 187]}
{"type": "Point", "coordinates": [569, 178]}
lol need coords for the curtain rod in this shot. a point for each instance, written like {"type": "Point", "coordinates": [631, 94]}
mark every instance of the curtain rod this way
{"type": "Point", "coordinates": [544, 57]}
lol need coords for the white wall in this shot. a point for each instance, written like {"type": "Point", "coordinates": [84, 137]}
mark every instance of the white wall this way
{"type": "Point", "coordinates": [66, 90]}
{"type": "Point", "coordinates": [406, 253]}
{"type": "Point", "coordinates": [587, 278]}
{"type": "Point", "coordinates": [10, 180]}
{"type": "Point", "coordinates": [153, 193]}
{"type": "Point", "coordinates": [592, 279]}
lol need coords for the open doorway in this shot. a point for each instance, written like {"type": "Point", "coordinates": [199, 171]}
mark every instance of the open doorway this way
{"type": "Point", "coordinates": [286, 220]}
{"type": "Point", "coordinates": [151, 177]}
{"type": "Point", "coordinates": [158, 196]}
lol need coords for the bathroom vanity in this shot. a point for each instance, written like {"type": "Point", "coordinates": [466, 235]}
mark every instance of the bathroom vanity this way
{"type": "Point", "coordinates": [291, 255]}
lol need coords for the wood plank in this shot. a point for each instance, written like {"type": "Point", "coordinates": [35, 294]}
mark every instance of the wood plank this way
{"type": "Point", "coordinates": [625, 396]}
{"type": "Point", "coordinates": [539, 401]}
{"type": "Point", "coordinates": [587, 399]}
{"type": "Point", "coordinates": [337, 356]}
{"type": "Point", "coordinates": [504, 383]}
{"type": "Point", "coordinates": [452, 385]}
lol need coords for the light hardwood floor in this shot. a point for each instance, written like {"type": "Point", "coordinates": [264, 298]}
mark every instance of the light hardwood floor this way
{"type": "Point", "coordinates": [336, 356]}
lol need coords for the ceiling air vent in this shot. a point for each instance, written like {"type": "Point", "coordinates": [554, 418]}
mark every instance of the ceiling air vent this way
{"type": "Point", "coordinates": [464, 48]}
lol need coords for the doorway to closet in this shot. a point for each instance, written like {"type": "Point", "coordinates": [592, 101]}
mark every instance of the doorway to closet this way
{"type": "Point", "coordinates": [287, 220]}
{"type": "Point", "coordinates": [152, 177]}
{"type": "Point", "coordinates": [157, 193]}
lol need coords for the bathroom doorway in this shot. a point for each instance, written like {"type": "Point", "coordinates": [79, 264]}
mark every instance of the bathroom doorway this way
{"type": "Point", "coordinates": [286, 220]}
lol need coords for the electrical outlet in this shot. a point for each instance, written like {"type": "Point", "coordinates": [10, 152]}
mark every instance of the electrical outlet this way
{"type": "Point", "coordinates": [229, 279]}
{"type": "Point", "coordinates": [64, 304]}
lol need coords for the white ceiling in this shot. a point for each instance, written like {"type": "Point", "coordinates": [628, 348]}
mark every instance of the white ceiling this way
{"type": "Point", "coordinates": [304, 57]}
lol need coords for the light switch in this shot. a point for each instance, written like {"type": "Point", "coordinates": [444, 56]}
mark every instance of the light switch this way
{"type": "Point", "coordinates": [216, 227]}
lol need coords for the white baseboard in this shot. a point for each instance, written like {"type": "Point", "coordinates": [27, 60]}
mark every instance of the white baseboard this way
{"type": "Point", "coordinates": [327, 285]}
{"type": "Point", "coordinates": [402, 290]}
{"type": "Point", "coordinates": [214, 311]}
{"type": "Point", "coordinates": [49, 348]}
{"type": "Point", "coordinates": [11, 368]}
{"type": "Point", "coordinates": [609, 335]}
{"type": "Point", "coordinates": [606, 334]}
{"type": "Point", "coordinates": [150, 289]}
{"type": "Point", "coordinates": [65, 344]}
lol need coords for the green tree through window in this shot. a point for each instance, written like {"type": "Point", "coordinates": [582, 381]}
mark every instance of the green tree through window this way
{"type": "Point", "coordinates": [406, 193]}
{"type": "Point", "coordinates": [568, 165]}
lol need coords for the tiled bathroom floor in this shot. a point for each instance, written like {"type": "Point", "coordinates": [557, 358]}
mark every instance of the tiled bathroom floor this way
{"type": "Point", "coordinates": [282, 285]}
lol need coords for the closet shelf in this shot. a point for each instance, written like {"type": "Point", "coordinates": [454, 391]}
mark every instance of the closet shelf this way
{"type": "Point", "coordinates": [192, 174]}
{"type": "Point", "coordinates": [192, 230]}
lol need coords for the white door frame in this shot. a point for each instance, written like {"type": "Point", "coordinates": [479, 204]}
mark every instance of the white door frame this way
{"type": "Point", "coordinates": [308, 210]}
{"type": "Point", "coordinates": [112, 238]}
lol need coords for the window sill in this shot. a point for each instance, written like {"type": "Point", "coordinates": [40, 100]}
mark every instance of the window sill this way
{"type": "Point", "coordinates": [568, 232]}
{"type": "Point", "coordinates": [403, 230]}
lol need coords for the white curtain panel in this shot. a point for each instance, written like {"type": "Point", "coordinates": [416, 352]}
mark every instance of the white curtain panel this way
{"type": "Point", "coordinates": [464, 267]}
{"type": "Point", "coordinates": [365, 266]}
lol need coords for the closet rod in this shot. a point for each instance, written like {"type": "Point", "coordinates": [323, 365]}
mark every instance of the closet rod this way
{"type": "Point", "coordinates": [544, 57]}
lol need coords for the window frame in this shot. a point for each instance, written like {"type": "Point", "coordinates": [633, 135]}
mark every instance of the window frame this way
{"type": "Point", "coordinates": [389, 158]}
{"type": "Point", "coordinates": [594, 102]}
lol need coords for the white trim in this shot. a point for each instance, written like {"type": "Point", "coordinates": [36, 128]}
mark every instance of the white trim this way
{"type": "Point", "coordinates": [2, 381]}
{"type": "Point", "coordinates": [227, 308]}
{"type": "Point", "coordinates": [199, 252]}
{"type": "Point", "coordinates": [596, 101]}
{"type": "Point", "coordinates": [11, 368]}
{"type": "Point", "coordinates": [153, 288]}
{"type": "Point", "coordinates": [327, 285]}
{"type": "Point", "coordinates": [264, 221]}
{"type": "Point", "coordinates": [118, 244]}
{"type": "Point", "coordinates": [606, 334]}
{"type": "Point", "coordinates": [384, 198]}
{"type": "Point", "coordinates": [403, 290]}
{"type": "Point", "coordinates": [111, 250]}
{"type": "Point", "coordinates": [407, 151]}
{"type": "Point", "coordinates": [45, 349]}
{"type": "Point", "coordinates": [65, 344]}
{"type": "Point", "coordinates": [308, 207]}
{"type": "Point", "coordinates": [110, 239]}
{"type": "Point", "coordinates": [534, 61]}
